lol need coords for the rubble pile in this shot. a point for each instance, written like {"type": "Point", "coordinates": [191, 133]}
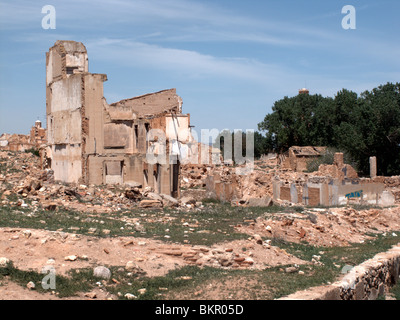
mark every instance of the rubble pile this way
{"type": "Point", "coordinates": [392, 183]}
{"type": "Point", "coordinates": [23, 183]}
{"type": "Point", "coordinates": [256, 184]}
{"type": "Point", "coordinates": [326, 227]}
{"type": "Point", "coordinates": [193, 176]}
{"type": "Point", "coordinates": [252, 253]}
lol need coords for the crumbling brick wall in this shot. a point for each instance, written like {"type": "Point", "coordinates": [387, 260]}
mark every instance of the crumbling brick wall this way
{"type": "Point", "coordinates": [367, 281]}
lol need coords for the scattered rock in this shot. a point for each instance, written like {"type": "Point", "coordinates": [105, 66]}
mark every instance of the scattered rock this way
{"type": "Point", "coordinates": [260, 202]}
{"type": "Point", "coordinates": [102, 272]}
{"type": "Point", "coordinates": [302, 233]}
{"type": "Point", "coordinates": [188, 200]}
{"type": "Point", "coordinates": [258, 239]}
{"type": "Point", "coordinates": [30, 285]}
{"type": "Point", "coordinates": [130, 296]}
{"type": "Point", "coordinates": [91, 295]}
{"type": "Point", "coordinates": [131, 266]}
{"type": "Point", "coordinates": [291, 270]}
{"type": "Point", "coordinates": [150, 204]}
{"type": "Point", "coordinates": [70, 258]}
{"type": "Point", "coordinates": [4, 262]}
{"type": "Point", "coordinates": [154, 196]}
{"type": "Point", "coordinates": [142, 291]}
{"type": "Point", "coordinates": [169, 201]}
{"type": "Point", "coordinates": [52, 206]}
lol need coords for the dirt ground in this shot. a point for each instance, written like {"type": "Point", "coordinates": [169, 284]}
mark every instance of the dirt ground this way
{"type": "Point", "coordinates": [23, 184]}
{"type": "Point", "coordinates": [35, 249]}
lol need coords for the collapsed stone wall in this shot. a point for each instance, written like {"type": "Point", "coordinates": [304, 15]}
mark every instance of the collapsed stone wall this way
{"type": "Point", "coordinates": [391, 183]}
{"type": "Point", "coordinates": [367, 281]}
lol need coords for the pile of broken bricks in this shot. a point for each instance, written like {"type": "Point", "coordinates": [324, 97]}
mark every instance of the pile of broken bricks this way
{"type": "Point", "coordinates": [202, 256]}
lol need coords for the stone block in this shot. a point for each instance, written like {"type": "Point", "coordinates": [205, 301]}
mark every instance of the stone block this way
{"type": "Point", "coordinates": [260, 202]}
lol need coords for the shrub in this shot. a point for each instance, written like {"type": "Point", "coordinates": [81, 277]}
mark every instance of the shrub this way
{"type": "Point", "coordinates": [33, 151]}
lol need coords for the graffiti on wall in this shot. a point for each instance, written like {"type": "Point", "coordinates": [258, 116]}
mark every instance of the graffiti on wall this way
{"type": "Point", "coordinates": [356, 194]}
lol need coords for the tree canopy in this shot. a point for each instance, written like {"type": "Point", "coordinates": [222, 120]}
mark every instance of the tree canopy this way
{"type": "Point", "coordinates": [363, 126]}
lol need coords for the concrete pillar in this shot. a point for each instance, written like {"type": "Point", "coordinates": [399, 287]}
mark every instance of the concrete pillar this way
{"type": "Point", "coordinates": [372, 167]}
{"type": "Point", "coordinates": [338, 159]}
{"type": "Point", "coordinates": [293, 194]}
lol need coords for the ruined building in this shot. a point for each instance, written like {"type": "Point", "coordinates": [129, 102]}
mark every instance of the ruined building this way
{"type": "Point", "coordinates": [22, 142]}
{"type": "Point", "coordinates": [38, 134]}
{"type": "Point", "coordinates": [93, 142]}
{"type": "Point", "coordinates": [333, 185]}
{"type": "Point", "coordinates": [298, 157]}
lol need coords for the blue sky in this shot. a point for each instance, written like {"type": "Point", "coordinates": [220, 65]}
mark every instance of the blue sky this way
{"type": "Point", "coordinates": [229, 60]}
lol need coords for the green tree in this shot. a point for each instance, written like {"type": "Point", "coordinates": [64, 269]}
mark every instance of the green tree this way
{"type": "Point", "coordinates": [301, 120]}
{"type": "Point", "coordinates": [363, 126]}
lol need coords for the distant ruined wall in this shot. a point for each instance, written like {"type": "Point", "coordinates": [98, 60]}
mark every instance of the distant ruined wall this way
{"type": "Point", "coordinates": [336, 184]}
{"type": "Point", "coordinates": [333, 192]}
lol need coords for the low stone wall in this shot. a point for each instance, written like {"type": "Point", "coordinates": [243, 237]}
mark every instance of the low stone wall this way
{"type": "Point", "coordinates": [367, 281]}
{"type": "Point", "coordinates": [333, 192]}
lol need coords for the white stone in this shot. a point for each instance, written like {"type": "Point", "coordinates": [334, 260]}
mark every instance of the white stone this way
{"type": "Point", "coordinates": [142, 291]}
{"type": "Point", "coordinates": [4, 262]}
{"type": "Point", "coordinates": [102, 272]}
{"type": "Point", "coordinates": [130, 296]}
{"type": "Point", "coordinates": [70, 258]}
{"type": "Point", "coordinates": [30, 285]}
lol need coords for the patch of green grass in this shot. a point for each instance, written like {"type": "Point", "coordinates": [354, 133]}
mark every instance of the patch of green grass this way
{"type": "Point", "coordinates": [282, 284]}
{"type": "Point", "coordinates": [210, 200]}
{"type": "Point", "coordinates": [158, 287]}
{"type": "Point", "coordinates": [270, 283]}
{"type": "Point", "coordinates": [205, 227]}
{"type": "Point", "coordinates": [279, 283]}
{"type": "Point", "coordinates": [395, 291]}
{"type": "Point", "coordinates": [208, 226]}
{"type": "Point", "coordinates": [351, 255]}
{"type": "Point", "coordinates": [173, 284]}
{"type": "Point", "coordinates": [78, 280]}
{"type": "Point", "coordinates": [333, 259]}
{"type": "Point", "coordinates": [66, 220]}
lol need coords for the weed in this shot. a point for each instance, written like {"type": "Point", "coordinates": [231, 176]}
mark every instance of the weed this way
{"type": "Point", "coordinates": [34, 151]}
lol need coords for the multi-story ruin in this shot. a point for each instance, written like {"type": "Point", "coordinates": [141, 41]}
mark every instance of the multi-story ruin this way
{"type": "Point", "coordinates": [93, 142]}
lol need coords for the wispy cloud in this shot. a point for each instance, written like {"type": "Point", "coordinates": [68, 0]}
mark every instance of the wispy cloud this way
{"type": "Point", "coordinates": [182, 62]}
{"type": "Point", "coordinates": [182, 20]}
